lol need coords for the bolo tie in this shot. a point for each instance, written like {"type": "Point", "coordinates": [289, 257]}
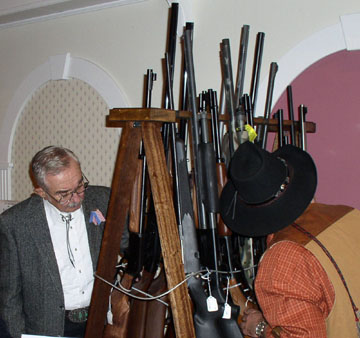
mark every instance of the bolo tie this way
{"type": "Point", "coordinates": [67, 219]}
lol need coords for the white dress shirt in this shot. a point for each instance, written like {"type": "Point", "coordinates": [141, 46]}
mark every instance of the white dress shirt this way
{"type": "Point", "coordinates": [77, 281]}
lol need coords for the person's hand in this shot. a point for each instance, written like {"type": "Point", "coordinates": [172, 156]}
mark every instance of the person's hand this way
{"type": "Point", "coordinates": [250, 320]}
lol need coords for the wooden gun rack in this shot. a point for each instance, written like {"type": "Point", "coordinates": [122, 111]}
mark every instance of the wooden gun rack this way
{"type": "Point", "coordinates": [144, 124]}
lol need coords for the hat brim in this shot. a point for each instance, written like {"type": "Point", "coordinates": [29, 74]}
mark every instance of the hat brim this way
{"type": "Point", "coordinates": [263, 219]}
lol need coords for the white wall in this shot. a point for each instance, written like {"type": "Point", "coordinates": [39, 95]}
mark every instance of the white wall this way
{"type": "Point", "coordinates": [125, 41]}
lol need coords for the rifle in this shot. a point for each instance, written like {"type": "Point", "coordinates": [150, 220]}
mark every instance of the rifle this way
{"type": "Point", "coordinates": [223, 231]}
{"type": "Point", "coordinates": [156, 312]}
{"type": "Point", "coordinates": [118, 315]}
{"type": "Point", "coordinates": [205, 322]}
{"type": "Point", "coordinates": [227, 327]}
{"type": "Point", "coordinates": [120, 308]}
{"type": "Point", "coordinates": [258, 245]}
{"type": "Point", "coordinates": [239, 291]}
{"type": "Point", "coordinates": [146, 241]}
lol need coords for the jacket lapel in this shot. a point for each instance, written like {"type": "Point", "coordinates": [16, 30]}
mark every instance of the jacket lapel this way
{"type": "Point", "coordinates": [88, 206]}
{"type": "Point", "coordinates": [40, 234]}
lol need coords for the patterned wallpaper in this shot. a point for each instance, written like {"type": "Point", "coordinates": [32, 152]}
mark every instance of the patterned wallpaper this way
{"type": "Point", "coordinates": [68, 113]}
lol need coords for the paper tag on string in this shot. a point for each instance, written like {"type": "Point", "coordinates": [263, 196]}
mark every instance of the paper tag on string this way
{"type": "Point", "coordinates": [212, 304]}
{"type": "Point", "coordinates": [109, 317]}
{"type": "Point", "coordinates": [227, 311]}
{"type": "Point", "coordinates": [109, 314]}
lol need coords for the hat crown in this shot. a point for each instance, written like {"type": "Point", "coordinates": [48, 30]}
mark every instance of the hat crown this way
{"type": "Point", "coordinates": [256, 174]}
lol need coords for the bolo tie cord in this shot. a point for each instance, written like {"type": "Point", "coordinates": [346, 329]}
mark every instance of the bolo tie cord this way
{"type": "Point", "coordinates": [67, 220]}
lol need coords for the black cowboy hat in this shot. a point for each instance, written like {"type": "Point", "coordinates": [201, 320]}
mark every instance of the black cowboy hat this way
{"type": "Point", "coordinates": [266, 191]}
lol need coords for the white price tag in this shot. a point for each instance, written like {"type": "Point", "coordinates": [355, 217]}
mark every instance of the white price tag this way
{"type": "Point", "coordinates": [109, 316]}
{"type": "Point", "coordinates": [212, 304]}
{"type": "Point", "coordinates": [227, 311]}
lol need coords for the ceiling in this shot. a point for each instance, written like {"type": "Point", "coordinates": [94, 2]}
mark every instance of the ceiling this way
{"type": "Point", "coordinates": [16, 12]}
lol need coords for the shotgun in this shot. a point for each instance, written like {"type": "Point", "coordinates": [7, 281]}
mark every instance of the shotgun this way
{"type": "Point", "coordinates": [205, 322]}
{"type": "Point", "coordinates": [240, 291]}
{"type": "Point", "coordinates": [229, 326]}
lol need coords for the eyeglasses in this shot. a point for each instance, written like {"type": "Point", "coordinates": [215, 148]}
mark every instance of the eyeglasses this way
{"type": "Point", "coordinates": [65, 197]}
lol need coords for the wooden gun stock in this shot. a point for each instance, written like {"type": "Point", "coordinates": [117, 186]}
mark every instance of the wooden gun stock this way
{"type": "Point", "coordinates": [138, 313]}
{"type": "Point", "coordinates": [120, 302]}
{"type": "Point", "coordinates": [135, 202]}
{"type": "Point", "coordinates": [120, 307]}
{"type": "Point", "coordinates": [156, 311]}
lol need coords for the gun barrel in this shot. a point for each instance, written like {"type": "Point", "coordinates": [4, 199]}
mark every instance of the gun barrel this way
{"type": "Point", "coordinates": [279, 115]}
{"type": "Point", "coordinates": [198, 172]}
{"type": "Point", "coordinates": [229, 91]}
{"type": "Point", "coordinates": [302, 113]}
{"type": "Point", "coordinates": [244, 41]}
{"type": "Point", "coordinates": [259, 46]}
{"type": "Point", "coordinates": [291, 114]}
{"type": "Point", "coordinates": [271, 82]}
{"type": "Point", "coordinates": [248, 110]}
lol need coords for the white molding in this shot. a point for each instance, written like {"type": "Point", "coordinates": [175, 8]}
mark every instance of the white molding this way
{"type": "Point", "coordinates": [6, 165]}
{"type": "Point", "coordinates": [31, 14]}
{"type": "Point", "coordinates": [100, 80]}
{"type": "Point", "coordinates": [57, 67]}
{"type": "Point", "coordinates": [351, 27]}
{"type": "Point", "coordinates": [5, 180]}
{"type": "Point", "coordinates": [325, 42]}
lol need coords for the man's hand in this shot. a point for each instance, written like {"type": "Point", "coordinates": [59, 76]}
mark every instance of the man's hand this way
{"type": "Point", "coordinates": [250, 320]}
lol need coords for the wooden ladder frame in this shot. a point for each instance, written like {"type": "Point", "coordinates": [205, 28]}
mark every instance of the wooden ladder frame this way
{"type": "Point", "coordinates": [147, 129]}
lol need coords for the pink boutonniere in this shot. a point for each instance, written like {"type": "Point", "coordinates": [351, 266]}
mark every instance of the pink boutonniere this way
{"type": "Point", "coordinates": [96, 217]}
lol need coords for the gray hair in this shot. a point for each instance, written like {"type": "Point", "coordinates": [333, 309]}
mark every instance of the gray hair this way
{"type": "Point", "coordinates": [51, 160]}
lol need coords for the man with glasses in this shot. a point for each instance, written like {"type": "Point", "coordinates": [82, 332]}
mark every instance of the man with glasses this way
{"type": "Point", "coordinates": [49, 247]}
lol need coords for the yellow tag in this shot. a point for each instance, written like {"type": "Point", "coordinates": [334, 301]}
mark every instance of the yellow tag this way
{"type": "Point", "coordinates": [251, 132]}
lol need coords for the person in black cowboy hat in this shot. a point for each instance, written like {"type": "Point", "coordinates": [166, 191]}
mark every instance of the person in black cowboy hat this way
{"type": "Point", "coordinates": [307, 280]}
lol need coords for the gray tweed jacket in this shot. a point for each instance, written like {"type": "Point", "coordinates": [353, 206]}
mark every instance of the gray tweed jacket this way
{"type": "Point", "coordinates": [31, 295]}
